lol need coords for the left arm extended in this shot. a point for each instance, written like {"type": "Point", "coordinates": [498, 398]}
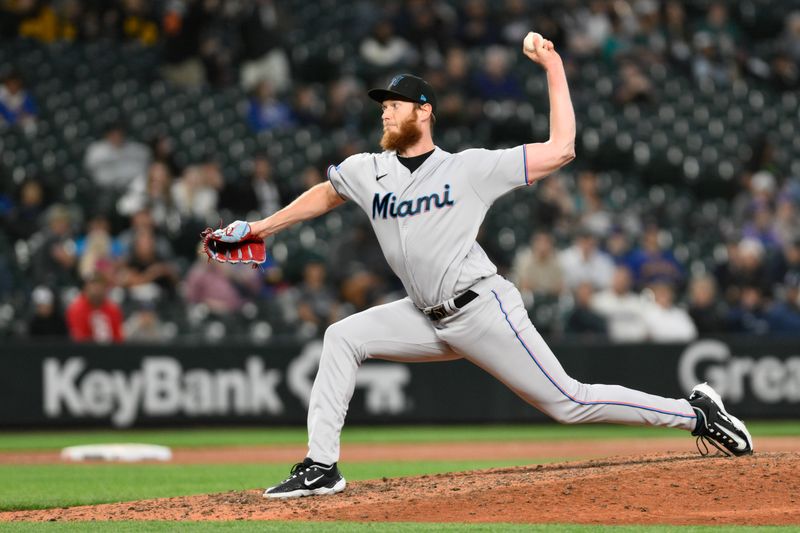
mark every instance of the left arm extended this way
{"type": "Point", "coordinates": [544, 158]}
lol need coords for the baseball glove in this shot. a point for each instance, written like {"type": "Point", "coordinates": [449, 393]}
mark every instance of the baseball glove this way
{"type": "Point", "coordinates": [234, 244]}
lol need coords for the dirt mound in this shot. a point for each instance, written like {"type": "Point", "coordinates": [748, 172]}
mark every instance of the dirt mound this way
{"type": "Point", "coordinates": [668, 488]}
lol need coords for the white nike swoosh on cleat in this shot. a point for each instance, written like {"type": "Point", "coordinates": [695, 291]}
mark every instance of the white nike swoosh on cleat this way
{"type": "Point", "coordinates": [309, 482]}
{"type": "Point", "coordinates": [740, 443]}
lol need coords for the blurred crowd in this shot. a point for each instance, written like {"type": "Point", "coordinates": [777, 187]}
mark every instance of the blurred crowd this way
{"type": "Point", "coordinates": [108, 271]}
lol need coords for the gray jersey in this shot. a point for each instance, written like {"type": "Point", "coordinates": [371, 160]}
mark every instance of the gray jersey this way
{"type": "Point", "coordinates": [427, 221]}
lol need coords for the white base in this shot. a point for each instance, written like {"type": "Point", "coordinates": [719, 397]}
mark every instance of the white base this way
{"type": "Point", "coordinates": [117, 452]}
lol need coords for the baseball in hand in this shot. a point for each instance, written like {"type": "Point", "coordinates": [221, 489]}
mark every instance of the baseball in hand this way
{"type": "Point", "coordinates": [532, 41]}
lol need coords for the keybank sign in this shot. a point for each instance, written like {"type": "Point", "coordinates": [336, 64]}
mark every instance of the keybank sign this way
{"type": "Point", "coordinates": [770, 379]}
{"type": "Point", "coordinates": [163, 387]}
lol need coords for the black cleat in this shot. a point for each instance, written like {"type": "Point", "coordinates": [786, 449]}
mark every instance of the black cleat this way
{"type": "Point", "coordinates": [716, 426]}
{"type": "Point", "coordinates": [309, 479]}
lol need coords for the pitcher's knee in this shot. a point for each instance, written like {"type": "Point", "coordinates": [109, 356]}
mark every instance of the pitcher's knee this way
{"type": "Point", "coordinates": [562, 412]}
{"type": "Point", "coordinates": [339, 340]}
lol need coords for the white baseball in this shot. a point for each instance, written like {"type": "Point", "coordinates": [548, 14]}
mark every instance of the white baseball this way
{"type": "Point", "coordinates": [532, 40]}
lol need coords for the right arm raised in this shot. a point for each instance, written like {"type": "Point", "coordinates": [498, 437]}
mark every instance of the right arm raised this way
{"type": "Point", "coordinates": [316, 201]}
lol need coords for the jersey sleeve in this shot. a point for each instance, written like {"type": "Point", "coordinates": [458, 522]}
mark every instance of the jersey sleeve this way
{"type": "Point", "coordinates": [492, 173]}
{"type": "Point", "coordinates": [347, 177]}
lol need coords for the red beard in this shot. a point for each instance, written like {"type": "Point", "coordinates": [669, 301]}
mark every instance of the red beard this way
{"type": "Point", "coordinates": [408, 135]}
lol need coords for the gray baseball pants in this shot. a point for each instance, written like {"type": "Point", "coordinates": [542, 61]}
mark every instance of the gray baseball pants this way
{"type": "Point", "coordinates": [495, 333]}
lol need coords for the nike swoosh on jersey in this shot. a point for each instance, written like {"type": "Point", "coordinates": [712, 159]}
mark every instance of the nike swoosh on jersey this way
{"type": "Point", "coordinates": [378, 178]}
{"type": "Point", "coordinates": [310, 482]}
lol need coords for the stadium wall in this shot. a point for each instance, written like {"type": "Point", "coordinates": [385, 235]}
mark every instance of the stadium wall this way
{"type": "Point", "coordinates": [71, 385]}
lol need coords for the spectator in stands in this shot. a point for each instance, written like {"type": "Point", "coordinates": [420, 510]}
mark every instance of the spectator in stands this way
{"type": "Point", "coordinates": [92, 317]}
{"type": "Point", "coordinates": [258, 192]}
{"type": "Point", "coordinates": [266, 111]}
{"type": "Point", "coordinates": [786, 262]}
{"type": "Point", "coordinates": [46, 320]}
{"type": "Point", "coordinates": [162, 148]}
{"type": "Point", "coordinates": [666, 322]}
{"type": "Point", "coordinates": [761, 227]}
{"type": "Point", "coordinates": [787, 220]}
{"type": "Point", "coordinates": [317, 304]}
{"type": "Point", "coordinates": [44, 21]}
{"type": "Point", "coordinates": [708, 313]}
{"type": "Point", "coordinates": [653, 262]}
{"type": "Point", "coordinates": [136, 22]}
{"type": "Point", "coordinates": [536, 269]}
{"type": "Point", "coordinates": [182, 25]}
{"type": "Point", "coordinates": [621, 308]}
{"type": "Point", "coordinates": [633, 85]}
{"type": "Point", "coordinates": [583, 262]}
{"type": "Point", "coordinates": [589, 207]}
{"type": "Point", "coordinates": [588, 28]}
{"type": "Point", "coordinates": [307, 107]}
{"type": "Point", "coordinates": [426, 25]}
{"type": "Point", "coordinates": [785, 72]}
{"type": "Point", "coordinates": [54, 257]}
{"type": "Point", "coordinates": [17, 107]}
{"type": "Point", "coordinates": [97, 251]}
{"type": "Point", "coordinates": [262, 56]}
{"type": "Point", "coordinates": [675, 30]}
{"type": "Point", "coordinates": [154, 192]}
{"type": "Point", "coordinates": [722, 31]}
{"type": "Point", "coordinates": [786, 61]}
{"type": "Point", "coordinates": [384, 51]}
{"type": "Point", "coordinates": [146, 275]}
{"type": "Point", "coordinates": [789, 42]}
{"type": "Point", "coordinates": [358, 268]}
{"type": "Point", "coordinates": [515, 23]}
{"type": "Point", "coordinates": [554, 206]}
{"type": "Point", "coordinates": [745, 267]}
{"type": "Point", "coordinates": [196, 194]}
{"type": "Point", "coordinates": [144, 325]}
{"type": "Point", "coordinates": [758, 191]}
{"type": "Point", "coordinates": [220, 287]}
{"type": "Point", "coordinates": [784, 313]}
{"type": "Point", "coordinates": [495, 81]}
{"type": "Point", "coordinates": [749, 314]}
{"type": "Point", "coordinates": [708, 64]}
{"type": "Point", "coordinates": [142, 220]}
{"type": "Point", "coordinates": [309, 177]}
{"type": "Point", "coordinates": [582, 319]}
{"type": "Point", "coordinates": [339, 112]}
{"type": "Point", "coordinates": [618, 245]}
{"type": "Point", "coordinates": [23, 217]}
{"type": "Point", "coordinates": [475, 27]}
{"type": "Point", "coordinates": [115, 161]}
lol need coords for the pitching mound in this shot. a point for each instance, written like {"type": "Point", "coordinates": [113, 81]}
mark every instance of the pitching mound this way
{"type": "Point", "coordinates": [667, 488]}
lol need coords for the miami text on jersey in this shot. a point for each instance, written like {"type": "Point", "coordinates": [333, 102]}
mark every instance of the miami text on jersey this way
{"type": "Point", "coordinates": [387, 205]}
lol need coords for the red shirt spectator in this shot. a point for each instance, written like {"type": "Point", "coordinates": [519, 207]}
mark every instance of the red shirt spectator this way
{"type": "Point", "coordinates": [92, 317]}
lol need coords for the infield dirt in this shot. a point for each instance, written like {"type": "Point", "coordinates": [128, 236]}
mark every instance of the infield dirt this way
{"type": "Point", "coordinates": [664, 488]}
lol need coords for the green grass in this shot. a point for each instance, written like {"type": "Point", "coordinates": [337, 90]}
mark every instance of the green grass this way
{"type": "Point", "coordinates": [340, 527]}
{"type": "Point", "coordinates": [52, 440]}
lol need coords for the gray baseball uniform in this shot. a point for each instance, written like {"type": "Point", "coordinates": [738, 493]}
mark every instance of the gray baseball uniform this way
{"type": "Point", "coordinates": [426, 222]}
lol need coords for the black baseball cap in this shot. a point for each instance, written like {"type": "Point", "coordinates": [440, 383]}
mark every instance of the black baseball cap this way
{"type": "Point", "coordinates": [406, 87]}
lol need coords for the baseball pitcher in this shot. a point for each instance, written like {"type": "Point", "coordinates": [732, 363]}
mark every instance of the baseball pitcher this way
{"type": "Point", "coordinates": [426, 206]}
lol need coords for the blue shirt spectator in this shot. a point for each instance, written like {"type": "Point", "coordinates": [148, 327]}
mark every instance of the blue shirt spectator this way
{"type": "Point", "coordinates": [267, 112]}
{"type": "Point", "coordinates": [17, 106]}
{"type": "Point", "coordinates": [650, 263]}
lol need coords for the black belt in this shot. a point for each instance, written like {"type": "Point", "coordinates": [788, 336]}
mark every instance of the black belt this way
{"type": "Point", "coordinates": [441, 311]}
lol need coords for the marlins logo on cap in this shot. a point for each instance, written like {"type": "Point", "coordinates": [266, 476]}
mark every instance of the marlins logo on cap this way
{"type": "Point", "coordinates": [406, 87]}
